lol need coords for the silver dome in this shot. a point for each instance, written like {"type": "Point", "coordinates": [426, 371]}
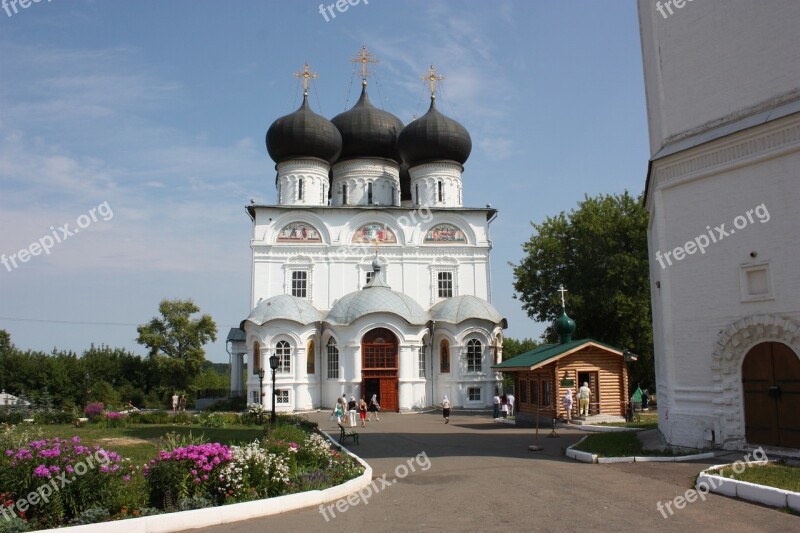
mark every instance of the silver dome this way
{"type": "Point", "coordinates": [460, 308]}
{"type": "Point", "coordinates": [376, 299]}
{"type": "Point", "coordinates": [283, 307]}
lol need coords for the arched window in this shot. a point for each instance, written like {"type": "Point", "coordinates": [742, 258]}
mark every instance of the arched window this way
{"type": "Point", "coordinates": [444, 357]}
{"type": "Point", "coordinates": [369, 193]}
{"type": "Point", "coordinates": [416, 195]}
{"type": "Point", "coordinates": [344, 194]}
{"type": "Point", "coordinates": [256, 357]}
{"type": "Point", "coordinates": [393, 195]}
{"type": "Point", "coordinates": [441, 191]}
{"type": "Point", "coordinates": [474, 352]}
{"type": "Point", "coordinates": [299, 188]}
{"type": "Point", "coordinates": [310, 356]}
{"type": "Point", "coordinates": [333, 359]}
{"type": "Point", "coordinates": [284, 352]}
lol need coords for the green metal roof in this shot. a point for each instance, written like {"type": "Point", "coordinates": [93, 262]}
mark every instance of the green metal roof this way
{"type": "Point", "coordinates": [547, 352]}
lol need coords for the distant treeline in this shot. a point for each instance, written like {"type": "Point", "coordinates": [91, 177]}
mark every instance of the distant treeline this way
{"type": "Point", "coordinates": [113, 376]}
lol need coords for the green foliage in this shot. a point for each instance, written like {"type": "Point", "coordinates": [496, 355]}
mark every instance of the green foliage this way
{"type": "Point", "coordinates": [92, 515]}
{"type": "Point", "coordinates": [599, 253]}
{"type": "Point", "coordinates": [175, 341]}
{"type": "Point", "coordinates": [236, 404]}
{"type": "Point", "coordinates": [513, 347]}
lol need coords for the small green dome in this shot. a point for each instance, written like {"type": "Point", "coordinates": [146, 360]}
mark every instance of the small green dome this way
{"type": "Point", "coordinates": [564, 327]}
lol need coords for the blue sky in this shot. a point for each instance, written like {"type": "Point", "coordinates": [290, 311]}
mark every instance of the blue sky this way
{"type": "Point", "coordinates": [159, 110]}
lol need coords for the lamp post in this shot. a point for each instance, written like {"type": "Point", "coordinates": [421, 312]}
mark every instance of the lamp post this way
{"type": "Point", "coordinates": [273, 364]}
{"type": "Point", "coordinates": [261, 397]}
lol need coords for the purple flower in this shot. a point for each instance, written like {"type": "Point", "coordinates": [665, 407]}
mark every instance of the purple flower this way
{"type": "Point", "coordinates": [42, 472]}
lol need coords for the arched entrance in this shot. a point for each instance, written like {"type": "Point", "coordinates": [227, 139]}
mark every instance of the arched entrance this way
{"type": "Point", "coordinates": [771, 388]}
{"type": "Point", "coordinates": [379, 366]}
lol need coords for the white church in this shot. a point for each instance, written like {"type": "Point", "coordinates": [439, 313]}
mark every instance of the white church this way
{"type": "Point", "coordinates": [723, 190]}
{"type": "Point", "coordinates": [369, 276]}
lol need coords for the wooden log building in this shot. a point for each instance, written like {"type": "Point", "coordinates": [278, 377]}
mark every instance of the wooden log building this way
{"type": "Point", "coordinates": [543, 375]}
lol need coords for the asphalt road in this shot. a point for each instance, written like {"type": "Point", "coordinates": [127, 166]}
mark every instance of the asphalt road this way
{"type": "Point", "coordinates": [476, 475]}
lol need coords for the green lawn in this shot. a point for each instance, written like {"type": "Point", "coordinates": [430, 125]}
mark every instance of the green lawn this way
{"type": "Point", "coordinates": [141, 442]}
{"type": "Point", "coordinates": [622, 444]}
{"type": "Point", "coordinates": [649, 421]}
{"type": "Point", "coordinates": [776, 475]}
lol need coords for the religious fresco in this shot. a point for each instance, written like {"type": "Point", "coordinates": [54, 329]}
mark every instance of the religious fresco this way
{"type": "Point", "coordinates": [299, 232]}
{"type": "Point", "coordinates": [445, 234]}
{"type": "Point", "coordinates": [375, 232]}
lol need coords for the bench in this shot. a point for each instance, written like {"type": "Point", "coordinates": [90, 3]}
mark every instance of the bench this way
{"type": "Point", "coordinates": [344, 435]}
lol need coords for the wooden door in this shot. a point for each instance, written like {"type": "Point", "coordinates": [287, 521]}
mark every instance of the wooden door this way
{"type": "Point", "coordinates": [771, 388]}
{"type": "Point", "coordinates": [389, 395]}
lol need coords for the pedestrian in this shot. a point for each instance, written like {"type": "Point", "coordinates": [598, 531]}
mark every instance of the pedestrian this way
{"type": "Point", "coordinates": [374, 407]}
{"type": "Point", "coordinates": [362, 409]}
{"type": "Point", "coordinates": [496, 405]}
{"type": "Point", "coordinates": [645, 400]}
{"type": "Point", "coordinates": [446, 409]}
{"type": "Point", "coordinates": [352, 408]}
{"type": "Point", "coordinates": [510, 405]}
{"type": "Point", "coordinates": [504, 405]}
{"type": "Point", "coordinates": [566, 401]}
{"type": "Point", "coordinates": [584, 393]}
{"type": "Point", "coordinates": [174, 402]}
{"type": "Point", "coordinates": [338, 411]}
{"type": "Point", "coordinates": [183, 403]}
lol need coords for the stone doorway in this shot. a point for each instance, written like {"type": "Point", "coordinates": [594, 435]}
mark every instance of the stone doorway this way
{"type": "Point", "coordinates": [379, 367]}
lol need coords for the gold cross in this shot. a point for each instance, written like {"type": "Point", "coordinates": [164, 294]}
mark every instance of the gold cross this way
{"type": "Point", "coordinates": [433, 78]}
{"type": "Point", "coordinates": [364, 57]}
{"type": "Point", "coordinates": [306, 74]}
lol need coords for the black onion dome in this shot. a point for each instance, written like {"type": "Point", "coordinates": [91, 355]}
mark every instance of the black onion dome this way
{"type": "Point", "coordinates": [303, 134]}
{"type": "Point", "coordinates": [434, 137]}
{"type": "Point", "coordinates": [368, 131]}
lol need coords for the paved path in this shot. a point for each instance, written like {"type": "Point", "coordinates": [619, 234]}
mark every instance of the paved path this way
{"type": "Point", "coordinates": [480, 476]}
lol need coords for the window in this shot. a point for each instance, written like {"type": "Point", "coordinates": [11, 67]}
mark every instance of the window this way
{"type": "Point", "coordinates": [370, 275]}
{"type": "Point", "coordinates": [256, 357]}
{"type": "Point", "coordinates": [534, 392]}
{"type": "Point", "coordinates": [284, 352]}
{"type": "Point", "coordinates": [254, 397]}
{"type": "Point", "coordinates": [523, 391]}
{"type": "Point", "coordinates": [300, 188]}
{"type": "Point", "coordinates": [421, 358]}
{"type": "Point", "coordinates": [310, 355]}
{"type": "Point", "coordinates": [369, 193]}
{"type": "Point", "coordinates": [344, 194]}
{"type": "Point", "coordinates": [282, 396]}
{"type": "Point", "coordinates": [474, 356]}
{"type": "Point", "coordinates": [333, 359]}
{"type": "Point", "coordinates": [300, 283]}
{"type": "Point", "coordinates": [546, 392]}
{"type": "Point", "coordinates": [445, 284]}
{"type": "Point", "coordinates": [393, 195]}
{"type": "Point", "coordinates": [441, 191]}
{"type": "Point", "coordinates": [444, 357]}
{"type": "Point", "coordinates": [474, 394]}
{"type": "Point", "coordinates": [416, 193]}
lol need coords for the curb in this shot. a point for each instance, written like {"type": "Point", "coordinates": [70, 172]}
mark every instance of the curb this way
{"type": "Point", "coordinates": [235, 512]}
{"type": "Point", "coordinates": [587, 457]}
{"type": "Point", "coordinates": [748, 491]}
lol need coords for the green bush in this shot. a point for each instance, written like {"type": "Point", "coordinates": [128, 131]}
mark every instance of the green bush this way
{"type": "Point", "coordinates": [236, 404]}
{"type": "Point", "coordinates": [11, 417]}
{"type": "Point", "coordinates": [182, 418]}
{"type": "Point", "coordinates": [54, 417]}
{"type": "Point", "coordinates": [156, 417]}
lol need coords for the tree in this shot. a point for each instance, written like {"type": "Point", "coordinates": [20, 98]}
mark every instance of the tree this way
{"type": "Point", "coordinates": [175, 341]}
{"type": "Point", "coordinates": [599, 253]}
{"type": "Point", "coordinates": [514, 347]}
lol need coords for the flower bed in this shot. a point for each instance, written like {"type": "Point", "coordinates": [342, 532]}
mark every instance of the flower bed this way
{"type": "Point", "coordinates": [58, 482]}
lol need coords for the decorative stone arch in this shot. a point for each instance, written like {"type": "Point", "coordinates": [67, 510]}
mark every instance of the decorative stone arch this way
{"type": "Point", "coordinates": [306, 217]}
{"type": "Point", "coordinates": [371, 217]}
{"type": "Point", "coordinates": [729, 352]}
{"type": "Point", "coordinates": [445, 218]}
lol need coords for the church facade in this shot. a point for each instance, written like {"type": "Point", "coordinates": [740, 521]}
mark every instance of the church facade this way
{"type": "Point", "coordinates": [369, 276]}
{"type": "Point", "coordinates": [723, 99]}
